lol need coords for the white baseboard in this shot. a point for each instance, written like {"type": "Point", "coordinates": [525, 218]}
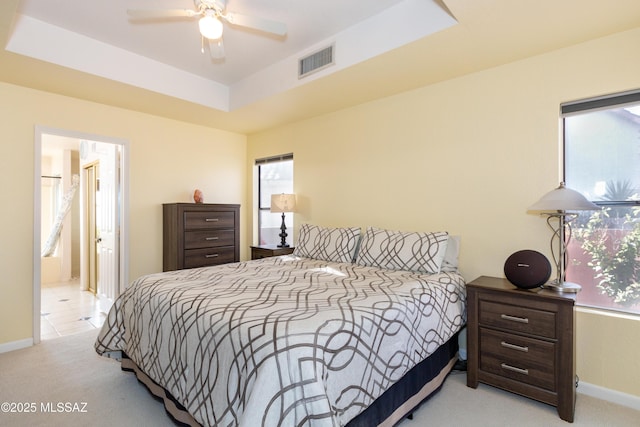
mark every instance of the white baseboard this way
{"type": "Point", "coordinates": [16, 345]}
{"type": "Point", "coordinates": [624, 399]}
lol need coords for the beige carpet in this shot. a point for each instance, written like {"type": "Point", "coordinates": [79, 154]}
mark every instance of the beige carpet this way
{"type": "Point", "coordinates": [65, 374]}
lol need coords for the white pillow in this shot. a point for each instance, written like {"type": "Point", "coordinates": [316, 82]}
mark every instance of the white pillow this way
{"type": "Point", "coordinates": [450, 262]}
{"type": "Point", "coordinates": [421, 252]}
{"type": "Point", "coordinates": [327, 244]}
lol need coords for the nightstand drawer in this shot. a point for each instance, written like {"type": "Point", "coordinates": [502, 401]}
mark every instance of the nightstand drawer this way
{"type": "Point", "coordinates": [518, 371]}
{"type": "Point", "coordinates": [524, 359]}
{"type": "Point", "coordinates": [208, 239]}
{"type": "Point", "coordinates": [209, 256]}
{"type": "Point", "coordinates": [266, 251]}
{"type": "Point", "coordinates": [518, 319]}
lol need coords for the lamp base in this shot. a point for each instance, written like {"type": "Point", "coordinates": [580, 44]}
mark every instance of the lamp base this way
{"type": "Point", "coordinates": [283, 234]}
{"type": "Point", "coordinates": [565, 287]}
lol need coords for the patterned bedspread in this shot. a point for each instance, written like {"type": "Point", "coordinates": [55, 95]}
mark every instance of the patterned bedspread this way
{"type": "Point", "coordinates": [283, 340]}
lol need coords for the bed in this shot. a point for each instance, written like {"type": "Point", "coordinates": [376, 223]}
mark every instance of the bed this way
{"type": "Point", "coordinates": [348, 330]}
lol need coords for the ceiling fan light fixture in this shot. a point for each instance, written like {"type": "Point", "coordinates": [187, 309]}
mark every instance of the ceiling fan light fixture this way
{"type": "Point", "coordinates": [210, 27]}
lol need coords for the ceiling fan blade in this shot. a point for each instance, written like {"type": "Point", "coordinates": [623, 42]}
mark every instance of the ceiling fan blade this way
{"type": "Point", "coordinates": [259, 24]}
{"type": "Point", "coordinates": [161, 13]}
{"type": "Point", "coordinates": [216, 49]}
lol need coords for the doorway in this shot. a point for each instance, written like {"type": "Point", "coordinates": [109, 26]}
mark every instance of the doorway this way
{"type": "Point", "coordinates": [102, 166]}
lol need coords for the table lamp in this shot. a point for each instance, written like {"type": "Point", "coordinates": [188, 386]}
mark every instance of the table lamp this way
{"type": "Point", "coordinates": [283, 203]}
{"type": "Point", "coordinates": [555, 205]}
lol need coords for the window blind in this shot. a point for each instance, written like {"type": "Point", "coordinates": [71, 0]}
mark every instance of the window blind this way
{"type": "Point", "coordinates": [274, 159]}
{"type": "Point", "coordinates": [599, 103]}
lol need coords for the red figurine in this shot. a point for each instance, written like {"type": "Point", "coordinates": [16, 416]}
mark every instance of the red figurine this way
{"type": "Point", "coordinates": [197, 196]}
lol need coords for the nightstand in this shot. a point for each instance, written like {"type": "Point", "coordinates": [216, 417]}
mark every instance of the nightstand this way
{"type": "Point", "coordinates": [522, 341]}
{"type": "Point", "coordinates": [265, 251]}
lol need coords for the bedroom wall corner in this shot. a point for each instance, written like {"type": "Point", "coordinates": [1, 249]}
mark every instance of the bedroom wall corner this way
{"type": "Point", "coordinates": [16, 233]}
{"type": "Point", "coordinates": [605, 354]}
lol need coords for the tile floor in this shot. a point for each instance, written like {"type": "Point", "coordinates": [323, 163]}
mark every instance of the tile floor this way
{"type": "Point", "coordinates": [66, 310]}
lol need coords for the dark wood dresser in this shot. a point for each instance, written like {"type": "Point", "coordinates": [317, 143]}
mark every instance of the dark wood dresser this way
{"type": "Point", "coordinates": [266, 251]}
{"type": "Point", "coordinates": [522, 341]}
{"type": "Point", "coordinates": [199, 235]}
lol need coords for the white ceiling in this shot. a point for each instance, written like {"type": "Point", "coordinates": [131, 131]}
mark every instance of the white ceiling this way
{"type": "Point", "coordinates": [89, 50]}
{"type": "Point", "coordinates": [177, 42]}
{"type": "Point", "coordinates": [167, 55]}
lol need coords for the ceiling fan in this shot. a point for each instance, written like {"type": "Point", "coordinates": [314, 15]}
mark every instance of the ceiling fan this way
{"type": "Point", "coordinates": [210, 14]}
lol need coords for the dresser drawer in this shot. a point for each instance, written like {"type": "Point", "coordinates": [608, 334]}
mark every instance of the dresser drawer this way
{"type": "Point", "coordinates": [208, 238]}
{"type": "Point", "coordinates": [517, 318]}
{"type": "Point", "coordinates": [199, 220]}
{"type": "Point", "coordinates": [527, 360]}
{"type": "Point", "coordinates": [209, 256]}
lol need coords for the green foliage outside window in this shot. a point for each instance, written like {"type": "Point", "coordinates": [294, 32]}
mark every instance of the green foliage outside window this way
{"type": "Point", "coordinates": [612, 238]}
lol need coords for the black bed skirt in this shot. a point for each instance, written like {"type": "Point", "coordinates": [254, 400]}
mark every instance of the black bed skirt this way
{"type": "Point", "coordinates": [393, 406]}
{"type": "Point", "coordinates": [420, 383]}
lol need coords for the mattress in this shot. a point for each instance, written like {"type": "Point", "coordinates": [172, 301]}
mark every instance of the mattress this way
{"type": "Point", "coordinates": [282, 340]}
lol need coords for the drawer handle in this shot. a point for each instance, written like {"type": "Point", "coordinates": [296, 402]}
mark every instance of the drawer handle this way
{"type": "Point", "coordinates": [514, 318]}
{"type": "Point", "coordinates": [211, 238]}
{"type": "Point", "coordinates": [515, 347]}
{"type": "Point", "coordinates": [514, 369]}
{"type": "Point", "coordinates": [212, 219]}
{"type": "Point", "coordinates": [211, 256]}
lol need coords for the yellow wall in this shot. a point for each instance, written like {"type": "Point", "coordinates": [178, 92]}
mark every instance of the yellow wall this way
{"type": "Point", "coordinates": [168, 160]}
{"type": "Point", "coordinates": [467, 155]}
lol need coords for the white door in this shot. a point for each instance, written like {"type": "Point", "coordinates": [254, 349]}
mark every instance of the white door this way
{"type": "Point", "coordinates": [90, 177]}
{"type": "Point", "coordinates": [107, 225]}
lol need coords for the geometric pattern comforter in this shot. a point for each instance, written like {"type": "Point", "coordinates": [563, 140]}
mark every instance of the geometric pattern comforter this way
{"type": "Point", "coordinates": [282, 340]}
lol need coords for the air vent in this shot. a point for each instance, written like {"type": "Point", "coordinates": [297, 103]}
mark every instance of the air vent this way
{"type": "Point", "coordinates": [315, 62]}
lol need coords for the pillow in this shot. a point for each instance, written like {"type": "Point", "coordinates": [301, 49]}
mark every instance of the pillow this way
{"type": "Point", "coordinates": [450, 262]}
{"type": "Point", "coordinates": [327, 244]}
{"type": "Point", "coordinates": [397, 250]}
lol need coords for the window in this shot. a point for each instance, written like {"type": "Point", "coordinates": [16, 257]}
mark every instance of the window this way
{"type": "Point", "coordinates": [275, 176]}
{"type": "Point", "coordinates": [602, 161]}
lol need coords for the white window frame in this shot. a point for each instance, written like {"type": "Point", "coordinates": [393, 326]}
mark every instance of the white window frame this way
{"type": "Point", "coordinates": [600, 197]}
{"type": "Point", "coordinates": [260, 209]}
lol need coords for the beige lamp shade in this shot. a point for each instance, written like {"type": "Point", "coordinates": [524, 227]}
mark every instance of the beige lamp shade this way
{"type": "Point", "coordinates": [283, 203]}
{"type": "Point", "coordinates": [563, 199]}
